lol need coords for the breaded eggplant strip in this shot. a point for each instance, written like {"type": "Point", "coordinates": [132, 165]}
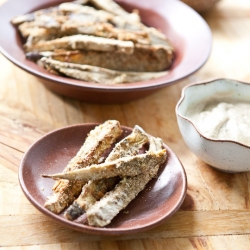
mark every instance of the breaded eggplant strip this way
{"type": "Point", "coordinates": [88, 21]}
{"type": "Point", "coordinates": [122, 22]}
{"type": "Point", "coordinates": [116, 9]}
{"type": "Point", "coordinates": [81, 1]}
{"type": "Point", "coordinates": [51, 24]}
{"type": "Point", "coordinates": [155, 143]}
{"type": "Point", "coordinates": [91, 192]}
{"type": "Point", "coordinates": [142, 60]}
{"type": "Point", "coordinates": [28, 28]}
{"type": "Point", "coordinates": [50, 27]}
{"type": "Point", "coordinates": [95, 190]}
{"type": "Point", "coordinates": [107, 30]}
{"type": "Point", "coordinates": [83, 42]}
{"type": "Point", "coordinates": [130, 145]}
{"type": "Point", "coordinates": [123, 77]}
{"type": "Point", "coordinates": [103, 211]}
{"type": "Point", "coordinates": [98, 140]}
{"type": "Point", "coordinates": [31, 16]}
{"type": "Point", "coordinates": [90, 73]}
{"type": "Point", "coordinates": [126, 166]}
{"type": "Point", "coordinates": [70, 7]}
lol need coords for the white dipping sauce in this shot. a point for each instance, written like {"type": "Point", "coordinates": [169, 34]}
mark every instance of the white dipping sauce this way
{"type": "Point", "coordinates": [225, 121]}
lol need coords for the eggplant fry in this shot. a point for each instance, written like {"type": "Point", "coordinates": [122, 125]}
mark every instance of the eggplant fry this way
{"type": "Point", "coordinates": [126, 166]}
{"type": "Point", "coordinates": [114, 8]}
{"type": "Point", "coordinates": [98, 140]}
{"type": "Point", "coordinates": [96, 74]}
{"type": "Point", "coordinates": [83, 42]}
{"type": "Point", "coordinates": [95, 190]}
{"type": "Point", "coordinates": [103, 211]}
{"type": "Point", "coordinates": [47, 28]}
{"type": "Point", "coordinates": [144, 59]}
{"type": "Point", "coordinates": [42, 28]}
{"type": "Point", "coordinates": [130, 145]}
{"type": "Point", "coordinates": [69, 8]}
{"type": "Point", "coordinates": [123, 77]}
{"type": "Point", "coordinates": [107, 30]}
{"type": "Point", "coordinates": [32, 16]}
{"type": "Point", "coordinates": [155, 143]}
{"type": "Point", "coordinates": [127, 21]}
{"type": "Point", "coordinates": [91, 192]}
{"type": "Point", "coordinates": [81, 1]}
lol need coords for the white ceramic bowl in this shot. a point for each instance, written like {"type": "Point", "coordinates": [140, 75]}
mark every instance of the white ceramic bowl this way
{"type": "Point", "coordinates": [225, 155]}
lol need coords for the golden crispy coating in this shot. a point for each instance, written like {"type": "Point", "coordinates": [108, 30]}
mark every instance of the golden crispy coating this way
{"type": "Point", "coordinates": [98, 140]}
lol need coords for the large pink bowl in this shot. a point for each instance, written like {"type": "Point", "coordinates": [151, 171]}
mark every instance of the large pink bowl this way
{"type": "Point", "coordinates": [186, 29]}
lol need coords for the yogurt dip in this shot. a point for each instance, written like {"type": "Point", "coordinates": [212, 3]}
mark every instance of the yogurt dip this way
{"type": "Point", "coordinates": [224, 121]}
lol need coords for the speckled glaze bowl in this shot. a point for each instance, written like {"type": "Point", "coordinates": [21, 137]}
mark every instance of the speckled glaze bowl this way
{"type": "Point", "coordinates": [225, 155]}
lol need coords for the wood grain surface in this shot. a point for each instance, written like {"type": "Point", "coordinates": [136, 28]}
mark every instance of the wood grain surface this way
{"type": "Point", "coordinates": [216, 211]}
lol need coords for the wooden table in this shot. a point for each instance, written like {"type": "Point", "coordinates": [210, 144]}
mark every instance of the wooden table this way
{"type": "Point", "coordinates": [216, 211]}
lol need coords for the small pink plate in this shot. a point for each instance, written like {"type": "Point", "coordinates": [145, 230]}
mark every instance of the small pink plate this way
{"type": "Point", "coordinates": [161, 198]}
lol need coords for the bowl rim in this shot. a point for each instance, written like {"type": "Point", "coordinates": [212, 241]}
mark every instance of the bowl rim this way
{"type": "Point", "coordinates": [183, 95]}
{"type": "Point", "coordinates": [137, 86]}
